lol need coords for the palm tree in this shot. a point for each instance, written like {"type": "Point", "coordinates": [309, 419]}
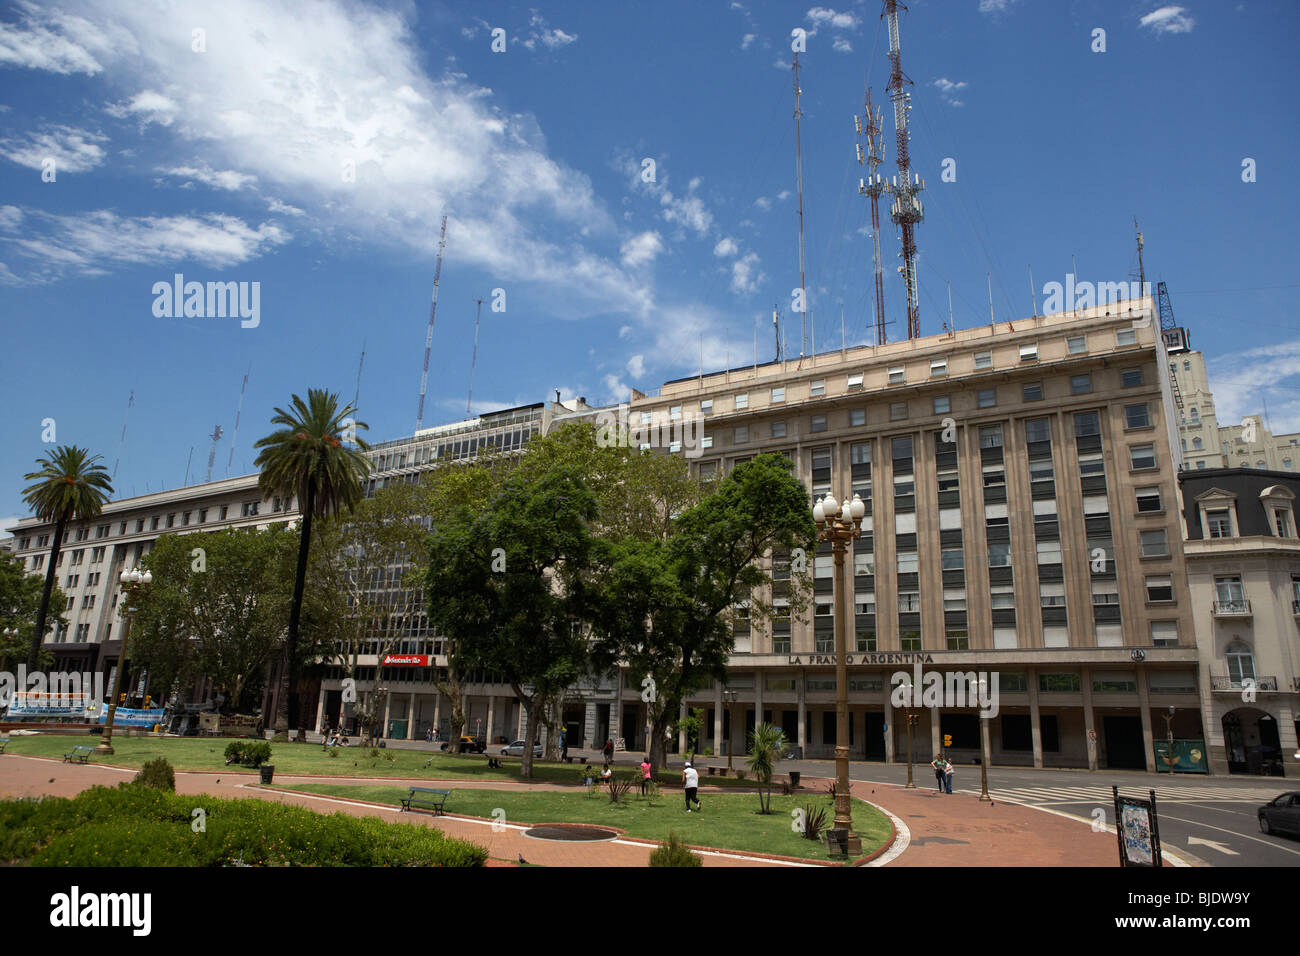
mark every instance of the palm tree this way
{"type": "Point", "coordinates": [766, 744]}
{"type": "Point", "coordinates": [69, 487]}
{"type": "Point", "coordinates": [307, 458]}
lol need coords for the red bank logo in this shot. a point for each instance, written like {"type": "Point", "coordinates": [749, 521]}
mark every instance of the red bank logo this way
{"type": "Point", "coordinates": [405, 660]}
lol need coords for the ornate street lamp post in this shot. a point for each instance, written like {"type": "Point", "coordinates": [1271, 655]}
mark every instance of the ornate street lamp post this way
{"type": "Point", "coordinates": [912, 721]}
{"type": "Point", "coordinates": [840, 525]}
{"type": "Point", "coordinates": [133, 583]}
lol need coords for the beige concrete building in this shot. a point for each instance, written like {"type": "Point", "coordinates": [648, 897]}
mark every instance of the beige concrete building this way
{"type": "Point", "coordinates": [1252, 445]}
{"type": "Point", "coordinates": [1198, 423]}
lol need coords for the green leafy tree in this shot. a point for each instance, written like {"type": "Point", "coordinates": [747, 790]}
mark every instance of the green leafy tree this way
{"type": "Point", "coordinates": [691, 725]}
{"type": "Point", "coordinates": [68, 487]}
{"type": "Point", "coordinates": [766, 744]}
{"type": "Point", "coordinates": [501, 584]}
{"type": "Point", "coordinates": [307, 458]}
{"type": "Point", "coordinates": [663, 606]}
{"type": "Point", "coordinates": [20, 601]}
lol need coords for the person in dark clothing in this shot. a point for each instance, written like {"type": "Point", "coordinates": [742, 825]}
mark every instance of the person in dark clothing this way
{"type": "Point", "coordinates": [938, 764]}
{"type": "Point", "coordinates": [609, 750]}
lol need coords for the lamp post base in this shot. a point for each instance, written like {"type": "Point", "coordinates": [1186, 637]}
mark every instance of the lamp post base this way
{"type": "Point", "coordinates": [104, 748]}
{"type": "Point", "coordinates": [848, 846]}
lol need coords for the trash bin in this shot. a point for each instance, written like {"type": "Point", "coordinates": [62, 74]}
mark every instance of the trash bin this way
{"type": "Point", "coordinates": [794, 778]}
{"type": "Point", "coordinates": [837, 840]}
{"type": "Point", "coordinates": [267, 771]}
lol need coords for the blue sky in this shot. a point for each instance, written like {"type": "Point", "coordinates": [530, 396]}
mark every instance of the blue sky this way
{"type": "Point", "coordinates": [223, 155]}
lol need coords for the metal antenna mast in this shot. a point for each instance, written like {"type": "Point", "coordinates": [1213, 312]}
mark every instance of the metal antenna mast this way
{"type": "Point", "coordinates": [776, 330]}
{"type": "Point", "coordinates": [906, 211]}
{"type": "Point", "coordinates": [473, 361]}
{"type": "Point", "coordinates": [122, 441]}
{"type": "Point", "coordinates": [356, 398]}
{"type": "Point", "coordinates": [234, 437]}
{"type": "Point", "coordinates": [428, 339]}
{"type": "Point", "coordinates": [212, 455]}
{"type": "Point", "coordinates": [798, 155]}
{"type": "Point", "coordinates": [872, 187]}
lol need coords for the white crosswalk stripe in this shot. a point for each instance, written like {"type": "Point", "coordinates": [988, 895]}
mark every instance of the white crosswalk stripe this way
{"type": "Point", "coordinates": [1042, 796]}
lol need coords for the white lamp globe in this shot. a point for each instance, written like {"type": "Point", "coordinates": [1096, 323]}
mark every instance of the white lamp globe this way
{"type": "Point", "coordinates": [819, 513]}
{"type": "Point", "coordinates": [859, 508]}
{"type": "Point", "coordinates": [148, 577]}
{"type": "Point", "coordinates": [830, 506]}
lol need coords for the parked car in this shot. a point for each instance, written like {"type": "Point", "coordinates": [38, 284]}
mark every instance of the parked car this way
{"type": "Point", "coordinates": [469, 745]}
{"type": "Point", "coordinates": [516, 749]}
{"type": "Point", "coordinates": [1281, 814]}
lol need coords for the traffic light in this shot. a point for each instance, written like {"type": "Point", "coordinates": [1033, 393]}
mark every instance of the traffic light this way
{"type": "Point", "coordinates": [121, 699]}
{"type": "Point", "coordinates": [947, 740]}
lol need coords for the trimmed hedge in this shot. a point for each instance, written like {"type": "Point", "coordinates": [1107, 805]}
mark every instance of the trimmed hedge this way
{"type": "Point", "coordinates": [252, 753]}
{"type": "Point", "coordinates": [157, 773]}
{"type": "Point", "coordinates": [134, 825]}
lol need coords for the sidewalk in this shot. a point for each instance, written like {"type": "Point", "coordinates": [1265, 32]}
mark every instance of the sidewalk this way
{"type": "Point", "coordinates": [938, 830]}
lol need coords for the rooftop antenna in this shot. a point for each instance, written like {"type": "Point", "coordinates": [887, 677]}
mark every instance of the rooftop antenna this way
{"type": "Point", "coordinates": [212, 455]}
{"type": "Point", "coordinates": [428, 338]}
{"type": "Point", "coordinates": [187, 466]}
{"type": "Point", "coordinates": [843, 346]}
{"type": "Point", "coordinates": [952, 327]}
{"type": "Point", "coordinates": [776, 330]}
{"type": "Point", "coordinates": [872, 187]}
{"type": "Point", "coordinates": [906, 210]}
{"type": "Point", "coordinates": [356, 398]}
{"type": "Point", "coordinates": [122, 441]}
{"type": "Point", "coordinates": [778, 344]}
{"type": "Point", "coordinates": [473, 361]}
{"type": "Point", "coordinates": [798, 165]}
{"type": "Point", "coordinates": [989, 276]}
{"type": "Point", "coordinates": [234, 436]}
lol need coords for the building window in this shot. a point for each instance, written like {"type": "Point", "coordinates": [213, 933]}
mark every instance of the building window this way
{"type": "Point", "coordinates": [855, 382]}
{"type": "Point", "coordinates": [817, 423]}
{"type": "Point", "coordinates": [740, 434]}
{"type": "Point", "coordinates": [1153, 544]}
{"type": "Point", "coordinates": [958, 640]}
{"type": "Point", "coordinates": [1159, 588]}
{"type": "Point", "coordinates": [1080, 384]}
{"type": "Point", "coordinates": [906, 563]}
{"type": "Point", "coordinates": [1058, 683]}
{"type": "Point", "coordinates": [778, 395]}
{"type": "Point", "coordinates": [938, 367]}
{"type": "Point", "coordinates": [1131, 377]}
{"type": "Point", "coordinates": [999, 555]}
{"type": "Point", "coordinates": [1034, 392]}
{"type": "Point", "coordinates": [896, 376]}
{"type": "Point", "coordinates": [224, 510]}
{"type": "Point", "coordinates": [706, 441]}
{"type": "Point", "coordinates": [1049, 552]}
{"type": "Point", "coordinates": [987, 398]}
{"type": "Point", "coordinates": [97, 555]}
{"type": "Point", "coordinates": [1148, 499]}
{"type": "Point", "coordinates": [817, 389]}
{"type": "Point", "coordinates": [1136, 416]}
{"type": "Point", "coordinates": [1197, 444]}
{"type": "Point", "coordinates": [1029, 353]}
{"type": "Point", "coordinates": [706, 406]}
{"type": "Point", "coordinates": [1220, 523]}
{"type": "Point", "coordinates": [1241, 663]}
{"type": "Point", "coordinates": [646, 419]}
{"type": "Point", "coordinates": [1142, 456]}
{"type": "Point", "coordinates": [1038, 429]}
{"type": "Point", "coordinates": [983, 360]}
{"type": "Point", "coordinates": [1127, 337]}
{"type": "Point", "coordinates": [742, 401]}
{"type": "Point", "coordinates": [778, 429]}
{"type": "Point", "coordinates": [861, 453]}
{"type": "Point", "coordinates": [1282, 523]}
{"type": "Point", "coordinates": [910, 640]}
{"type": "Point", "coordinates": [897, 411]}
{"type": "Point", "coordinates": [990, 436]}
{"type": "Point", "coordinates": [1086, 424]}
{"type": "Point", "coordinates": [1077, 344]}
{"type": "Point", "coordinates": [942, 405]}
{"type": "Point", "coordinates": [909, 601]}
{"type": "Point", "coordinates": [857, 416]}
{"type": "Point", "coordinates": [953, 559]}
{"type": "Point", "coordinates": [153, 523]}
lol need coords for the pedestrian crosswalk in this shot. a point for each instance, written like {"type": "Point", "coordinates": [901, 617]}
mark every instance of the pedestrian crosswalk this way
{"type": "Point", "coordinates": [1048, 796]}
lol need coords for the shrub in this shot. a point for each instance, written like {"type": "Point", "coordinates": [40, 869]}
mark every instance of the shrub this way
{"type": "Point", "coordinates": [674, 853]}
{"type": "Point", "coordinates": [333, 752]}
{"type": "Point", "coordinates": [251, 753]}
{"type": "Point", "coordinates": [157, 773]}
{"type": "Point", "coordinates": [618, 788]}
{"type": "Point", "coordinates": [814, 822]}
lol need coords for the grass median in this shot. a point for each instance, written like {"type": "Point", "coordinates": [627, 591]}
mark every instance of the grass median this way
{"type": "Point", "coordinates": [726, 821]}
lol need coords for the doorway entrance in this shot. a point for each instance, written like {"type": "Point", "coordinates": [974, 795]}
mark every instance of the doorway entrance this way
{"type": "Point", "coordinates": [1124, 750]}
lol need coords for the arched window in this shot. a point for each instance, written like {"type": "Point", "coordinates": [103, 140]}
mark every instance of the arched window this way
{"type": "Point", "coordinates": [1286, 462]}
{"type": "Point", "coordinates": [1196, 443]}
{"type": "Point", "coordinates": [1259, 465]}
{"type": "Point", "coordinates": [1184, 444]}
{"type": "Point", "coordinates": [1241, 662]}
{"type": "Point", "coordinates": [1196, 416]}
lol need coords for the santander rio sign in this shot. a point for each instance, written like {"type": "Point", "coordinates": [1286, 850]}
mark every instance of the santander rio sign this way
{"type": "Point", "coordinates": [405, 660]}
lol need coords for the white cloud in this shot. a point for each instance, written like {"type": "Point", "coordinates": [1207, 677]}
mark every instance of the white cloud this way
{"type": "Point", "coordinates": [823, 16]}
{"type": "Point", "coordinates": [57, 42]}
{"type": "Point", "coordinates": [641, 248]}
{"type": "Point", "coordinates": [616, 389]}
{"type": "Point", "coordinates": [995, 6]}
{"type": "Point", "coordinates": [948, 90]}
{"type": "Point", "coordinates": [745, 274]}
{"type": "Point", "coordinates": [636, 366]}
{"type": "Point", "coordinates": [73, 150]}
{"type": "Point", "coordinates": [762, 202]}
{"type": "Point", "coordinates": [550, 37]}
{"type": "Point", "coordinates": [150, 105]}
{"type": "Point", "coordinates": [1244, 382]}
{"type": "Point", "coordinates": [227, 179]}
{"type": "Point", "coordinates": [746, 40]}
{"type": "Point", "coordinates": [841, 45]}
{"type": "Point", "coordinates": [276, 206]}
{"type": "Point", "coordinates": [725, 247]}
{"type": "Point", "coordinates": [1168, 20]}
{"type": "Point", "coordinates": [87, 243]}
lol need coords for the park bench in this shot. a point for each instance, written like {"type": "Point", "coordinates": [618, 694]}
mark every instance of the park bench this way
{"type": "Point", "coordinates": [4, 742]}
{"type": "Point", "coordinates": [80, 754]}
{"type": "Point", "coordinates": [427, 798]}
{"type": "Point", "coordinates": [494, 763]}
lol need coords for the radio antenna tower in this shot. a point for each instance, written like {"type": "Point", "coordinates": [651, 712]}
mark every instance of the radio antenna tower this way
{"type": "Point", "coordinates": [906, 211]}
{"type": "Point", "coordinates": [473, 361]}
{"type": "Point", "coordinates": [872, 187]}
{"type": "Point", "coordinates": [798, 165]}
{"type": "Point", "coordinates": [234, 436]}
{"type": "Point", "coordinates": [122, 441]}
{"type": "Point", "coordinates": [428, 339]}
{"type": "Point", "coordinates": [212, 455]}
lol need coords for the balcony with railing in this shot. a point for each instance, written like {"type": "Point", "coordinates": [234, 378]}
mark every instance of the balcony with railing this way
{"type": "Point", "coordinates": [1234, 685]}
{"type": "Point", "coordinates": [1237, 609]}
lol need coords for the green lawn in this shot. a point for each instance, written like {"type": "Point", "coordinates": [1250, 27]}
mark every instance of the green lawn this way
{"type": "Point", "coordinates": [727, 821]}
{"type": "Point", "coordinates": [195, 753]}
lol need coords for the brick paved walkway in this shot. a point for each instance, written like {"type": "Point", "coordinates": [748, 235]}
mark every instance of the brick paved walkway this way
{"type": "Point", "coordinates": [938, 829]}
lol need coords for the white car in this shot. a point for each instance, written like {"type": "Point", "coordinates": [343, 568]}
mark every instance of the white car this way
{"type": "Point", "coordinates": [516, 749]}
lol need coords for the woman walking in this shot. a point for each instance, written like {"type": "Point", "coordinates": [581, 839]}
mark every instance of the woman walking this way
{"type": "Point", "coordinates": [645, 775]}
{"type": "Point", "coordinates": [937, 763]}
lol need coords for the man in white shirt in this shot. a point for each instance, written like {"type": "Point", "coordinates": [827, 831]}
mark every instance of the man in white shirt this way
{"type": "Point", "coordinates": [691, 778]}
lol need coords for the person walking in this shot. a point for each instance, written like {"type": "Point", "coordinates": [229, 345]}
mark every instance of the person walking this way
{"type": "Point", "coordinates": [609, 750]}
{"type": "Point", "coordinates": [645, 775]}
{"type": "Point", "coordinates": [691, 778]}
{"type": "Point", "coordinates": [937, 764]}
{"type": "Point", "coordinates": [947, 775]}
{"type": "Point", "coordinates": [564, 744]}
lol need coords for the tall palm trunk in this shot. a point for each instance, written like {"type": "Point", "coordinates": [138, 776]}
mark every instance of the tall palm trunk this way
{"type": "Point", "coordinates": [34, 654]}
{"type": "Point", "coordinates": [295, 609]}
